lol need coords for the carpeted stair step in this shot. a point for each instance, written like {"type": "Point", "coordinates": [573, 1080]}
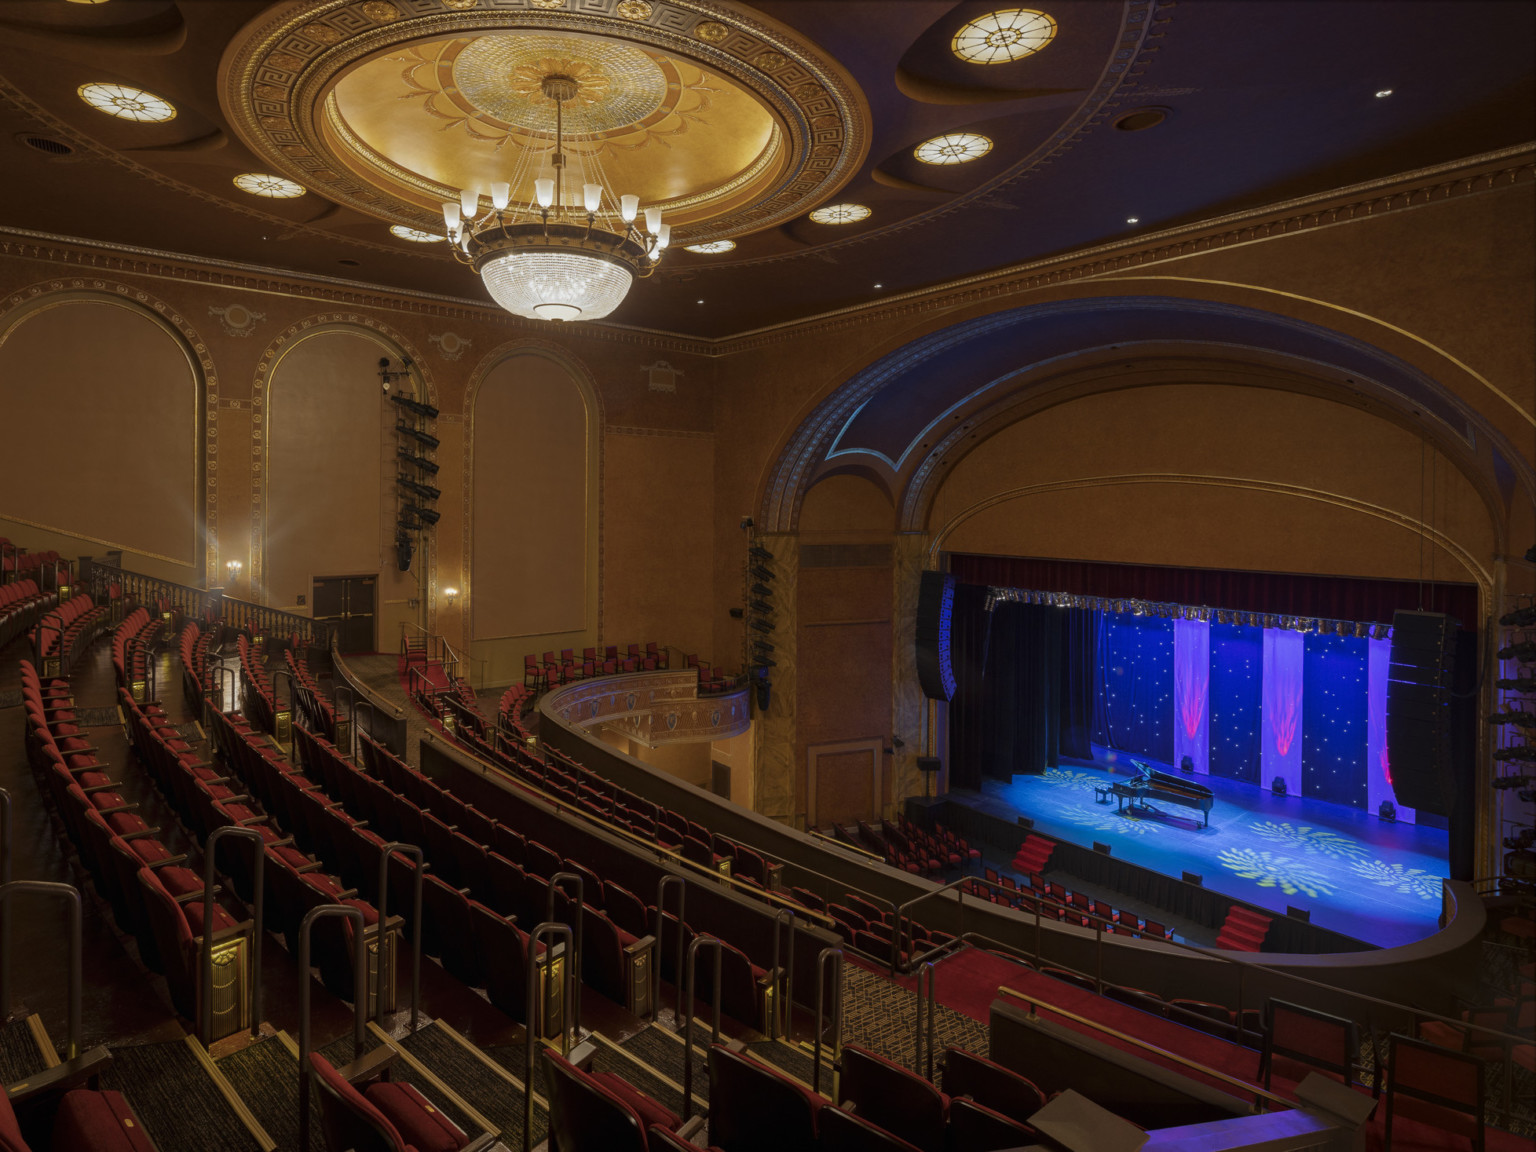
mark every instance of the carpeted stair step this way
{"type": "Point", "coordinates": [1243, 930]}
{"type": "Point", "coordinates": [662, 1049]}
{"type": "Point", "coordinates": [25, 1049]}
{"type": "Point", "coordinates": [610, 1057]}
{"type": "Point", "coordinates": [793, 1060]}
{"type": "Point", "coordinates": [266, 1075]}
{"type": "Point", "coordinates": [1033, 854]}
{"type": "Point", "coordinates": [481, 1083]}
{"type": "Point", "coordinates": [186, 1104]}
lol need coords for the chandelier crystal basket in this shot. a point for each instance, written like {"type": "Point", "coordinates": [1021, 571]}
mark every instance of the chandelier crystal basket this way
{"type": "Point", "coordinates": [556, 255]}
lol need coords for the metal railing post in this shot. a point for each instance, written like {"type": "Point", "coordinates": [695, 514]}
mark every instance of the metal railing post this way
{"type": "Point", "coordinates": [714, 1034]}
{"type": "Point", "coordinates": [531, 1031]}
{"type": "Point", "coordinates": [581, 906]}
{"type": "Point", "coordinates": [372, 715]}
{"type": "Point", "coordinates": [359, 1003]}
{"type": "Point", "coordinates": [385, 852]}
{"type": "Point", "coordinates": [205, 1000]}
{"type": "Point", "coordinates": [5, 920]}
{"type": "Point", "coordinates": [72, 894]}
{"type": "Point", "coordinates": [786, 1004]}
{"type": "Point", "coordinates": [682, 897]}
{"type": "Point", "coordinates": [336, 711]}
{"type": "Point", "coordinates": [924, 1012]}
{"type": "Point", "coordinates": [837, 1007]}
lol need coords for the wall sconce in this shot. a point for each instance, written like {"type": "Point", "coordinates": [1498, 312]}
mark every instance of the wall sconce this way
{"type": "Point", "coordinates": [452, 596]}
{"type": "Point", "coordinates": [233, 567]}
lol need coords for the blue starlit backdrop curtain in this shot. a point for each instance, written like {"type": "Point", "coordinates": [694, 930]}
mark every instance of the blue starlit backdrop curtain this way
{"type": "Point", "coordinates": [1237, 700]}
{"type": "Point", "coordinates": [1134, 685]}
{"type": "Point", "coordinates": [1335, 717]}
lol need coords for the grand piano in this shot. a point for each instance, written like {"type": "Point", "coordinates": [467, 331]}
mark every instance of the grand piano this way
{"type": "Point", "coordinates": [1148, 785]}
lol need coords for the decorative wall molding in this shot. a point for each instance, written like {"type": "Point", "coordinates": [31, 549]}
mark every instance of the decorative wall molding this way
{"type": "Point", "coordinates": [197, 349]}
{"type": "Point", "coordinates": [678, 433]}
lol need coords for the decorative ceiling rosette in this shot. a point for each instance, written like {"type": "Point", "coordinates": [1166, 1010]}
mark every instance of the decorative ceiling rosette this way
{"type": "Point", "coordinates": [729, 121]}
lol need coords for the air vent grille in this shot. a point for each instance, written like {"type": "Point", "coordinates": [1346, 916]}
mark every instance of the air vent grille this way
{"type": "Point", "coordinates": [47, 145]}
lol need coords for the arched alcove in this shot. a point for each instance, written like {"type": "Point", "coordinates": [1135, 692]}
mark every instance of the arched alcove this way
{"type": "Point", "coordinates": [532, 517]}
{"type": "Point", "coordinates": [105, 401]}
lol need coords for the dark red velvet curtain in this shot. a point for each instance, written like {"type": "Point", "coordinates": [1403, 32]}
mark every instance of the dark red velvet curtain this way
{"type": "Point", "coordinates": [1331, 597]}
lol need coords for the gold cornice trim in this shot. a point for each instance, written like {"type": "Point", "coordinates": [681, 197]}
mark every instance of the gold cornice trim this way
{"type": "Point", "coordinates": [1473, 175]}
{"type": "Point", "coordinates": [1399, 519]}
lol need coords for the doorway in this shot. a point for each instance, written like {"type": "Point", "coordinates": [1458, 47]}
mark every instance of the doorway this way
{"type": "Point", "coordinates": [347, 602]}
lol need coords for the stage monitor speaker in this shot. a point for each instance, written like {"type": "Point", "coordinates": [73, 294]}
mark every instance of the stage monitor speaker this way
{"type": "Point", "coordinates": [1100, 846]}
{"type": "Point", "coordinates": [1026, 823]}
{"type": "Point", "coordinates": [1295, 913]}
{"type": "Point", "coordinates": [935, 611]}
{"type": "Point", "coordinates": [1191, 878]}
{"type": "Point", "coordinates": [1419, 710]}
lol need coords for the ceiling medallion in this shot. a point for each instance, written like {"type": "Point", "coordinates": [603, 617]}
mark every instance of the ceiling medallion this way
{"type": "Point", "coordinates": [381, 11]}
{"type": "Point", "coordinates": [713, 248]}
{"type": "Point", "coordinates": [268, 185]}
{"type": "Point", "coordinates": [383, 153]}
{"type": "Point", "coordinates": [1003, 36]}
{"type": "Point", "coordinates": [953, 148]}
{"type": "Point", "coordinates": [840, 214]}
{"type": "Point", "coordinates": [416, 235]}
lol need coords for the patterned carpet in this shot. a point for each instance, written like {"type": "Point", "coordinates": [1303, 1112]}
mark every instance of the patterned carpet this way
{"type": "Point", "coordinates": [881, 1016]}
{"type": "Point", "coordinates": [10, 698]}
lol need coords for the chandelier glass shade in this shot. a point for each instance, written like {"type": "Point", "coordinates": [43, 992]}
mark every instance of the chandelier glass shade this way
{"type": "Point", "coordinates": [559, 255]}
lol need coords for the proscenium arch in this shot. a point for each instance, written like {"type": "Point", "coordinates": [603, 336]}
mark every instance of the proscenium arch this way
{"type": "Point", "coordinates": [586, 384]}
{"type": "Point", "coordinates": [20, 305]}
{"type": "Point", "coordinates": [1341, 363]}
{"type": "Point", "coordinates": [353, 324]}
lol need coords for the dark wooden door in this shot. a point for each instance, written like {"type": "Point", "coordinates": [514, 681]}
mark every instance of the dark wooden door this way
{"type": "Point", "coordinates": [348, 603]}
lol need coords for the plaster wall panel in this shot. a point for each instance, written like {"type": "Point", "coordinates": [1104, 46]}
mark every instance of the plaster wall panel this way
{"type": "Point", "coordinates": [102, 403]}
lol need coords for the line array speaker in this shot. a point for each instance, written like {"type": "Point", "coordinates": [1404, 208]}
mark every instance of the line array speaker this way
{"type": "Point", "coordinates": [935, 611]}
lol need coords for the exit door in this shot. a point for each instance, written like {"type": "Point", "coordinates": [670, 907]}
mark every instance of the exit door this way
{"type": "Point", "coordinates": [347, 603]}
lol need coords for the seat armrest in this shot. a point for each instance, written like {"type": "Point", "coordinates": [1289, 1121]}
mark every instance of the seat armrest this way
{"type": "Point", "coordinates": [177, 859]}
{"type": "Point", "coordinates": [60, 1078]}
{"type": "Point", "coordinates": [185, 897]}
{"type": "Point", "coordinates": [368, 1065]}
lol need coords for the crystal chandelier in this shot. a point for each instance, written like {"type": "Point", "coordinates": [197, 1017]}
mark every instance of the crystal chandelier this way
{"type": "Point", "coordinates": [556, 257]}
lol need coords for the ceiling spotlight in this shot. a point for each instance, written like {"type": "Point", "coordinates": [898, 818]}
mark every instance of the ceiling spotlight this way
{"type": "Point", "coordinates": [268, 185]}
{"type": "Point", "coordinates": [953, 148]}
{"type": "Point", "coordinates": [1133, 219]}
{"type": "Point", "coordinates": [698, 301]}
{"type": "Point", "coordinates": [713, 248]}
{"type": "Point", "coordinates": [840, 214]}
{"type": "Point", "coordinates": [128, 103]}
{"type": "Point", "coordinates": [879, 285]}
{"type": "Point", "coordinates": [1003, 36]}
{"type": "Point", "coordinates": [415, 235]}
{"type": "Point", "coordinates": [1383, 93]}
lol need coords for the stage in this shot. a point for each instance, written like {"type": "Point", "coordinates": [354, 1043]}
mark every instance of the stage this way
{"type": "Point", "coordinates": [1367, 878]}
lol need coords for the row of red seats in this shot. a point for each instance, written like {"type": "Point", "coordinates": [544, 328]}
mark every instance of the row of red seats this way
{"type": "Point", "coordinates": [309, 702]}
{"type": "Point", "coordinates": [510, 710]}
{"type": "Point", "coordinates": [131, 642]}
{"type": "Point", "coordinates": [549, 670]}
{"type": "Point", "coordinates": [919, 851]}
{"type": "Point", "coordinates": [17, 563]}
{"type": "Point", "coordinates": [1057, 903]}
{"type": "Point", "coordinates": [194, 645]}
{"type": "Point", "coordinates": [61, 634]}
{"type": "Point", "coordinates": [21, 603]}
{"type": "Point", "coordinates": [257, 696]}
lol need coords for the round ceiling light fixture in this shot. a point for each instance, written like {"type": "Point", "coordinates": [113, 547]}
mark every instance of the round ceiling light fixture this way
{"type": "Point", "coordinates": [840, 214]}
{"type": "Point", "coordinates": [415, 235]}
{"type": "Point", "coordinates": [128, 103]}
{"type": "Point", "coordinates": [953, 148]}
{"type": "Point", "coordinates": [268, 185]}
{"type": "Point", "coordinates": [713, 248]}
{"type": "Point", "coordinates": [1003, 36]}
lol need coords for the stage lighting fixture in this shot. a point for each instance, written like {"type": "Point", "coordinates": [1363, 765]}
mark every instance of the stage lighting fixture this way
{"type": "Point", "coordinates": [1380, 632]}
{"type": "Point", "coordinates": [1271, 621]}
{"type": "Point", "coordinates": [761, 573]}
{"type": "Point", "coordinates": [427, 466]}
{"type": "Point", "coordinates": [426, 438]}
{"type": "Point", "coordinates": [760, 553]}
{"type": "Point", "coordinates": [416, 406]}
{"type": "Point", "coordinates": [426, 514]}
{"type": "Point", "coordinates": [425, 491]}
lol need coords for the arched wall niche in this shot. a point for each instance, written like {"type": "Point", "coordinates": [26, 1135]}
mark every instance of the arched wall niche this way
{"type": "Point", "coordinates": [323, 456]}
{"type": "Point", "coordinates": [126, 386]}
{"type": "Point", "coordinates": [532, 553]}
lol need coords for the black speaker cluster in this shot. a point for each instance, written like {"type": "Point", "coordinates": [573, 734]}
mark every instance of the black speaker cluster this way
{"type": "Point", "coordinates": [760, 623]}
{"type": "Point", "coordinates": [1419, 710]}
{"type": "Point", "coordinates": [1518, 718]}
{"type": "Point", "coordinates": [413, 428]}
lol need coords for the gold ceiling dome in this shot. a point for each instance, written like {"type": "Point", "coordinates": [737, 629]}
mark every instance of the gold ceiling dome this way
{"type": "Point", "coordinates": [722, 118]}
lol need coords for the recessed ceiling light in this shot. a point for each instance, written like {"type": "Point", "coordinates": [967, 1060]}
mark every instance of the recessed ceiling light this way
{"type": "Point", "coordinates": [128, 103]}
{"type": "Point", "coordinates": [416, 235]}
{"type": "Point", "coordinates": [266, 184]}
{"type": "Point", "coordinates": [953, 148]}
{"type": "Point", "coordinates": [1003, 36]}
{"type": "Point", "coordinates": [698, 301]}
{"type": "Point", "coordinates": [840, 214]}
{"type": "Point", "coordinates": [1133, 219]}
{"type": "Point", "coordinates": [713, 248]}
{"type": "Point", "coordinates": [87, 1]}
{"type": "Point", "coordinates": [1383, 93]}
{"type": "Point", "coordinates": [879, 285]}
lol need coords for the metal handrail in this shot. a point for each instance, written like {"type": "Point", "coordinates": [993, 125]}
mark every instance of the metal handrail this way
{"type": "Point", "coordinates": [714, 1033]}
{"type": "Point", "coordinates": [72, 894]}
{"type": "Point", "coordinates": [787, 1006]}
{"type": "Point", "coordinates": [837, 1010]}
{"type": "Point", "coordinates": [6, 826]}
{"type": "Point", "coordinates": [1242, 966]}
{"type": "Point", "coordinates": [1258, 1092]}
{"type": "Point", "coordinates": [833, 840]}
{"type": "Point", "coordinates": [210, 853]}
{"type": "Point", "coordinates": [359, 999]}
{"type": "Point", "coordinates": [220, 671]}
{"type": "Point", "coordinates": [244, 614]}
{"type": "Point", "coordinates": [581, 906]}
{"type": "Point", "coordinates": [385, 852]}
{"type": "Point", "coordinates": [534, 1010]}
{"type": "Point", "coordinates": [927, 970]}
{"type": "Point", "coordinates": [682, 900]}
